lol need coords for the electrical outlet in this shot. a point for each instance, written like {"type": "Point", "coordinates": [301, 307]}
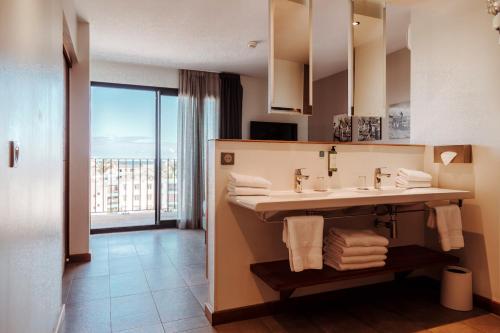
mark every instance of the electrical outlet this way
{"type": "Point", "coordinates": [227, 158]}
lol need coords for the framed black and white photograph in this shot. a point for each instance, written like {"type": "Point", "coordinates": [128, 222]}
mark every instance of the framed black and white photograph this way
{"type": "Point", "coordinates": [342, 128]}
{"type": "Point", "coordinates": [398, 116]}
{"type": "Point", "coordinates": [369, 128]}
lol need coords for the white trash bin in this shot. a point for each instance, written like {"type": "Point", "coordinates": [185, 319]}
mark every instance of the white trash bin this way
{"type": "Point", "coordinates": [456, 288]}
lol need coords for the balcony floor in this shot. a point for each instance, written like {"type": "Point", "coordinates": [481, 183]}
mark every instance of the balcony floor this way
{"type": "Point", "coordinates": [127, 219]}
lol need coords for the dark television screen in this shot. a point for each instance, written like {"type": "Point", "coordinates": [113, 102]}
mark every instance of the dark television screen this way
{"type": "Point", "coordinates": [260, 130]}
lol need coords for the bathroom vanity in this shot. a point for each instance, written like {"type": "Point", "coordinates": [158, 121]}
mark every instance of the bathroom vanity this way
{"type": "Point", "coordinates": [246, 255]}
{"type": "Point", "coordinates": [401, 260]}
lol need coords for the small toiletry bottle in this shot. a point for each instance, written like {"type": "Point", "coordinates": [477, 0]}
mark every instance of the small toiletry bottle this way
{"type": "Point", "coordinates": [332, 161]}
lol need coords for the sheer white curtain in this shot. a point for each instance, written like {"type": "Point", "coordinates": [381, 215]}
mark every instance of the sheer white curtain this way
{"type": "Point", "coordinates": [199, 99]}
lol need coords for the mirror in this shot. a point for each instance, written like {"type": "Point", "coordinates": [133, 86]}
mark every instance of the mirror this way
{"type": "Point", "coordinates": [340, 78]}
{"type": "Point", "coordinates": [334, 81]}
{"type": "Point", "coordinates": [368, 58]}
{"type": "Point", "coordinates": [290, 88]}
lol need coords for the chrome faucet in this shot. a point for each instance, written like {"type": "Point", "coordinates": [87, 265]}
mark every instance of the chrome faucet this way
{"type": "Point", "coordinates": [377, 179]}
{"type": "Point", "coordinates": [299, 177]}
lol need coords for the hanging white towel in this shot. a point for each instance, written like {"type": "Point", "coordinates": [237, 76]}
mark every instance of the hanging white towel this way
{"type": "Point", "coordinates": [303, 236]}
{"type": "Point", "coordinates": [356, 237]}
{"type": "Point", "coordinates": [414, 175]}
{"type": "Point", "coordinates": [237, 190]}
{"type": "Point", "coordinates": [448, 220]}
{"type": "Point", "coordinates": [238, 180]}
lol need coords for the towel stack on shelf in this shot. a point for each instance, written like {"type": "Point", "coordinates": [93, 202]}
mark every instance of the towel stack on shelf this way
{"type": "Point", "coordinates": [413, 179]}
{"type": "Point", "coordinates": [248, 185]}
{"type": "Point", "coordinates": [346, 249]}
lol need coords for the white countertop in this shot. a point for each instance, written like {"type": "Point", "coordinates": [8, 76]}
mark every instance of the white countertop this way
{"type": "Point", "coordinates": [345, 197]}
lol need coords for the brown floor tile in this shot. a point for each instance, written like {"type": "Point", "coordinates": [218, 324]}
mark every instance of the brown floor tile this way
{"type": "Point", "coordinates": [454, 328]}
{"type": "Point", "coordinates": [88, 289]}
{"type": "Point", "coordinates": [193, 274]}
{"type": "Point", "coordinates": [121, 250]}
{"type": "Point", "coordinates": [124, 265]}
{"type": "Point", "coordinates": [201, 293]}
{"type": "Point", "coordinates": [335, 320]}
{"type": "Point", "coordinates": [382, 320]}
{"type": "Point", "coordinates": [96, 267]}
{"type": "Point", "coordinates": [164, 278]}
{"type": "Point", "coordinates": [185, 324]}
{"type": "Point", "coordinates": [157, 260]}
{"type": "Point", "coordinates": [246, 326]}
{"type": "Point", "coordinates": [146, 329]}
{"type": "Point", "coordinates": [176, 304]}
{"type": "Point", "coordinates": [88, 317]}
{"type": "Point", "coordinates": [488, 323]}
{"type": "Point", "coordinates": [128, 284]}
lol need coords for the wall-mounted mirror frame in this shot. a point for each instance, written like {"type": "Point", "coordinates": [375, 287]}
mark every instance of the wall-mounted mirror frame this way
{"type": "Point", "coordinates": [290, 57]}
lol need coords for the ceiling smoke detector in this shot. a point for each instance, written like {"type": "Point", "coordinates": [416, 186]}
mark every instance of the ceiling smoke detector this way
{"type": "Point", "coordinates": [253, 44]}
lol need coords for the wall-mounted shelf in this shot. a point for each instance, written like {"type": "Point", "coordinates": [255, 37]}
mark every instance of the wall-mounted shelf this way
{"type": "Point", "coordinates": [464, 153]}
{"type": "Point", "coordinates": [401, 260]}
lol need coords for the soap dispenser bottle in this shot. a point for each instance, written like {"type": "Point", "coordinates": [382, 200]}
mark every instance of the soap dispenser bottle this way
{"type": "Point", "coordinates": [332, 161]}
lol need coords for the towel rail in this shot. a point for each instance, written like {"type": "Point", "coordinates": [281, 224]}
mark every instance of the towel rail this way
{"type": "Point", "coordinates": [390, 209]}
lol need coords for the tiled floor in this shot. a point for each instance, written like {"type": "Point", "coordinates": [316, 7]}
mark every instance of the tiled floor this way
{"type": "Point", "coordinates": [154, 282]}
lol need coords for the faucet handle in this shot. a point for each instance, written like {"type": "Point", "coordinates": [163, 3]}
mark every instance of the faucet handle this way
{"type": "Point", "coordinates": [298, 172]}
{"type": "Point", "coordinates": [379, 171]}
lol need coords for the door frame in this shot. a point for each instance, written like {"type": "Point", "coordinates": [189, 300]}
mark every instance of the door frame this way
{"type": "Point", "coordinates": [159, 91]}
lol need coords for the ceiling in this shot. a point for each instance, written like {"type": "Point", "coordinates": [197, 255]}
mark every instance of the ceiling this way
{"type": "Point", "coordinates": [210, 35]}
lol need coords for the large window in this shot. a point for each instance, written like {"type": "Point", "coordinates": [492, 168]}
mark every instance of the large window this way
{"type": "Point", "coordinates": [133, 156]}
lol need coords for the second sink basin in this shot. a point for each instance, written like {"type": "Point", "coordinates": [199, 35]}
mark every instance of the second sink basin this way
{"type": "Point", "coordinates": [381, 191]}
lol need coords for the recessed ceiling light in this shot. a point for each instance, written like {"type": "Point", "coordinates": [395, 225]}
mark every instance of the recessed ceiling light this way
{"type": "Point", "coordinates": [355, 23]}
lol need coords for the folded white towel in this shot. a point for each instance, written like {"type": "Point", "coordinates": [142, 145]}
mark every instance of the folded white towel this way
{"type": "Point", "coordinates": [414, 175]}
{"type": "Point", "coordinates": [236, 190]}
{"type": "Point", "coordinates": [355, 237]}
{"type": "Point", "coordinates": [354, 259]}
{"type": "Point", "coordinates": [405, 183]}
{"type": "Point", "coordinates": [248, 181]}
{"type": "Point", "coordinates": [303, 236]}
{"type": "Point", "coordinates": [448, 219]}
{"type": "Point", "coordinates": [333, 247]}
{"type": "Point", "coordinates": [346, 267]}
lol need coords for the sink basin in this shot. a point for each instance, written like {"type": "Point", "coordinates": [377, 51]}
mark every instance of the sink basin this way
{"type": "Point", "coordinates": [381, 191]}
{"type": "Point", "coordinates": [303, 195]}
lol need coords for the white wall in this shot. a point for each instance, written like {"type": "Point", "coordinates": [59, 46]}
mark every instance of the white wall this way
{"type": "Point", "coordinates": [236, 238]}
{"type": "Point", "coordinates": [115, 72]}
{"type": "Point", "coordinates": [31, 201]}
{"type": "Point", "coordinates": [79, 147]}
{"type": "Point", "coordinates": [456, 100]}
{"type": "Point", "coordinates": [255, 108]}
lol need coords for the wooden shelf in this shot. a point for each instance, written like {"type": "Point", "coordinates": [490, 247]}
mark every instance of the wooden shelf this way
{"type": "Point", "coordinates": [401, 260]}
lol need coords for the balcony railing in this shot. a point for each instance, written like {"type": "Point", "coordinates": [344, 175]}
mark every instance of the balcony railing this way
{"type": "Point", "coordinates": [128, 185]}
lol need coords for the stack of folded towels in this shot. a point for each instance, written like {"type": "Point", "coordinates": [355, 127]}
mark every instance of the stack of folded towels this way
{"type": "Point", "coordinates": [347, 249]}
{"type": "Point", "coordinates": [248, 185]}
{"type": "Point", "coordinates": [413, 178]}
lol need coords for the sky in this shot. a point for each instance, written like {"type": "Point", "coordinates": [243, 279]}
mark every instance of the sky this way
{"type": "Point", "coordinates": [123, 123]}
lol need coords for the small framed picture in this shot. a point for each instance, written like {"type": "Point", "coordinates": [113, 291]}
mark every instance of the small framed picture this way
{"type": "Point", "coordinates": [369, 128]}
{"type": "Point", "coordinates": [342, 128]}
{"type": "Point", "coordinates": [398, 117]}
